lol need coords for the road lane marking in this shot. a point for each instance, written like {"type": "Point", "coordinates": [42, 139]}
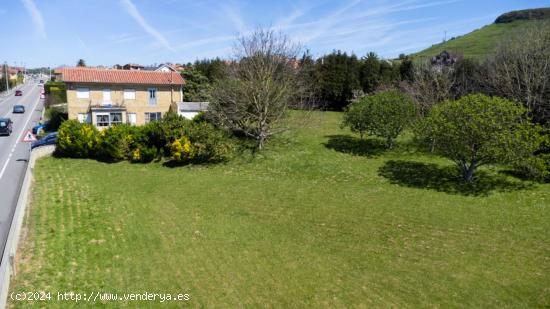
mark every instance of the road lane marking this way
{"type": "Point", "coordinates": [19, 138]}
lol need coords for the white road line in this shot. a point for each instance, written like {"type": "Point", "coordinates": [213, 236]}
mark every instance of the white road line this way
{"type": "Point", "coordinates": [19, 138]}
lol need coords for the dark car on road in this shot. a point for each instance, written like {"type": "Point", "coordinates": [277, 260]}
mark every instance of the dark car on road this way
{"type": "Point", "coordinates": [48, 139]}
{"type": "Point", "coordinates": [18, 93]}
{"type": "Point", "coordinates": [18, 109]}
{"type": "Point", "coordinates": [5, 126]}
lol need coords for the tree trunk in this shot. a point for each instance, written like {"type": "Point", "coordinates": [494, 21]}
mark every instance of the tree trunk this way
{"type": "Point", "coordinates": [469, 172]}
{"type": "Point", "coordinates": [260, 143]}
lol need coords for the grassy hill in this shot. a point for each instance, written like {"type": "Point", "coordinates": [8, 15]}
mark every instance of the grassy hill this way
{"type": "Point", "coordinates": [481, 42]}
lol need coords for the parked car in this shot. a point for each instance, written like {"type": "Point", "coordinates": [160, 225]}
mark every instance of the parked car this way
{"type": "Point", "coordinates": [18, 93]}
{"type": "Point", "coordinates": [37, 128]}
{"type": "Point", "coordinates": [18, 109]}
{"type": "Point", "coordinates": [41, 81]}
{"type": "Point", "coordinates": [48, 139]}
{"type": "Point", "coordinates": [5, 126]}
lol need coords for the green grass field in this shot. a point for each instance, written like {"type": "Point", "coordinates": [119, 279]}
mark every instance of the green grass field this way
{"type": "Point", "coordinates": [480, 43]}
{"type": "Point", "coordinates": [319, 219]}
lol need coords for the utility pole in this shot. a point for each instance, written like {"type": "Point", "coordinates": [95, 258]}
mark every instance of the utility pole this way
{"type": "Point", "coordinates": [6, 77]}
{"type": "Point", "coordinates": [445, 39]}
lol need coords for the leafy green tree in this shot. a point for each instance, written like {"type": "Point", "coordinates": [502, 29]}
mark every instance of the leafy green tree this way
{"type": "Point", "coordinates": [213, 69]}
{"type": "Point", "coordinates": [356, 117]}
{"type": "Point", "coordinates": [477, 130]}
{"type": "Point", "coordinates": [11, 83]}
{"type": "Point", "coordinates": [337, 78]}
{"type": "Point", "coordinates": [370, 73]}
{"type": "Point", "coordinates": [197, 86]}
{"type": "Point", "coordinates": [384, 114]}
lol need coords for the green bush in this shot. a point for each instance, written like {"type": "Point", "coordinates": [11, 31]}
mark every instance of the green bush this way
{"type": "Point", "coordinates": [161, 134]}
{"type": "Point", "coordinates": [142, 154]}
{"type": "Point", "coordinates": [201, 143]}
{"type": "Point", "coordinates": [537, 167]}
{"type": "Point", "coordinates": [173, 137]}
{"type": "Point", "coordinates": [76, 140]}
{"type": "Point", "coordinates": [385, 114]}
{"type": "Point", "coordinates": [115, 143]}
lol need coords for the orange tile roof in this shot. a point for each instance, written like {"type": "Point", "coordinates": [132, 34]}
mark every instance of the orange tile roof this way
{"type": "Point", "coordinates": [103, 76]}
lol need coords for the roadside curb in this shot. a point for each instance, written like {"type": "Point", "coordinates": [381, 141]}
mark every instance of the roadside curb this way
{"type": "Point", "coordinates": [7, 268]}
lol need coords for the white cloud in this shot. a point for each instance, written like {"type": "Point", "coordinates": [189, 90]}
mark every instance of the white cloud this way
{"type": "Point", "coordinates": [136, 15]}
{"type": "Point", "coordinates": [36, 17]}
{"type": "Point", "coordinates": [235, 17]}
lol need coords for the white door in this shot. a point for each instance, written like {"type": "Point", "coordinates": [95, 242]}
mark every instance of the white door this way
{"type": "Point", "coordinates": [131, 118]}
{"type": "Point", "coordinates": [106, 96]}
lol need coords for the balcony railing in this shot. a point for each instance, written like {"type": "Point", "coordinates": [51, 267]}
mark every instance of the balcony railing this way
{"type": "Point", "coordinates": [96, 104]}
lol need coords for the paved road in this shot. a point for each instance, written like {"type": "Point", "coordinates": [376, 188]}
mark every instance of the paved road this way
{"type": "Point", "coordinates": [14, 154]}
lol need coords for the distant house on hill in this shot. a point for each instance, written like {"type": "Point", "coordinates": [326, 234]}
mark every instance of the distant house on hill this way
{"type": "Point", "coordinates": [446, 58]}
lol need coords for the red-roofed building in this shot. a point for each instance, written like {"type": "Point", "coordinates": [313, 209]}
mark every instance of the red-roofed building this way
{"type": "Point", "coordinates": [106, 97]}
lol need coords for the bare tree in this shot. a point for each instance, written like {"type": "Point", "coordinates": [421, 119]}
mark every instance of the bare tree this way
{"type": "Point", "coordinates": [430, 85]}
{"type": "Point", "coordinates": [263, 83]}
{"type": "Point", "coordinates": [520, 70]}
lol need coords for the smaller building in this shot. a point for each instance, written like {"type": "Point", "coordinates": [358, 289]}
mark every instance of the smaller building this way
{"type": "Point", "coordinates": [447, 58]}
{"type": "Point", "coordinates": [190, 109]}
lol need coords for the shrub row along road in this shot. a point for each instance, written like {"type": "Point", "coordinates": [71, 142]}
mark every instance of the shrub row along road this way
{"type": "Point", "coordinates": [14, 154]}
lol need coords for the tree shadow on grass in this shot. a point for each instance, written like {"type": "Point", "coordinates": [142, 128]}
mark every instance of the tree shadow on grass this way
{"type": "Point", "coordinates": [446, 178]}
{"type": "Point", "coordinates": [352, 145]}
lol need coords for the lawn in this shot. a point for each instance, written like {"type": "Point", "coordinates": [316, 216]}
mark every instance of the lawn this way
{"type": "Point", "coordinates": [319, 219]}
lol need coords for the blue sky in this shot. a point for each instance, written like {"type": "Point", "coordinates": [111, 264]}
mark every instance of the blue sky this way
{"type": "Point", "coordinates": [107, 32]}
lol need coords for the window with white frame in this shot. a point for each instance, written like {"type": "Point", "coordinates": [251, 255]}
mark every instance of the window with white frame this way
{"type": "Point", "coordinates": [152, 116]}
{"type": "Point", "coordinates": [102, 120]}
{"type": "Point", "coordinates": [82, 93]}
{"type": "Point", "coordinates": [131, 118]}
{"type": "Point", "coordinates": [115, 118]}
{"type": "Point", "coordinates": [129, 94]}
